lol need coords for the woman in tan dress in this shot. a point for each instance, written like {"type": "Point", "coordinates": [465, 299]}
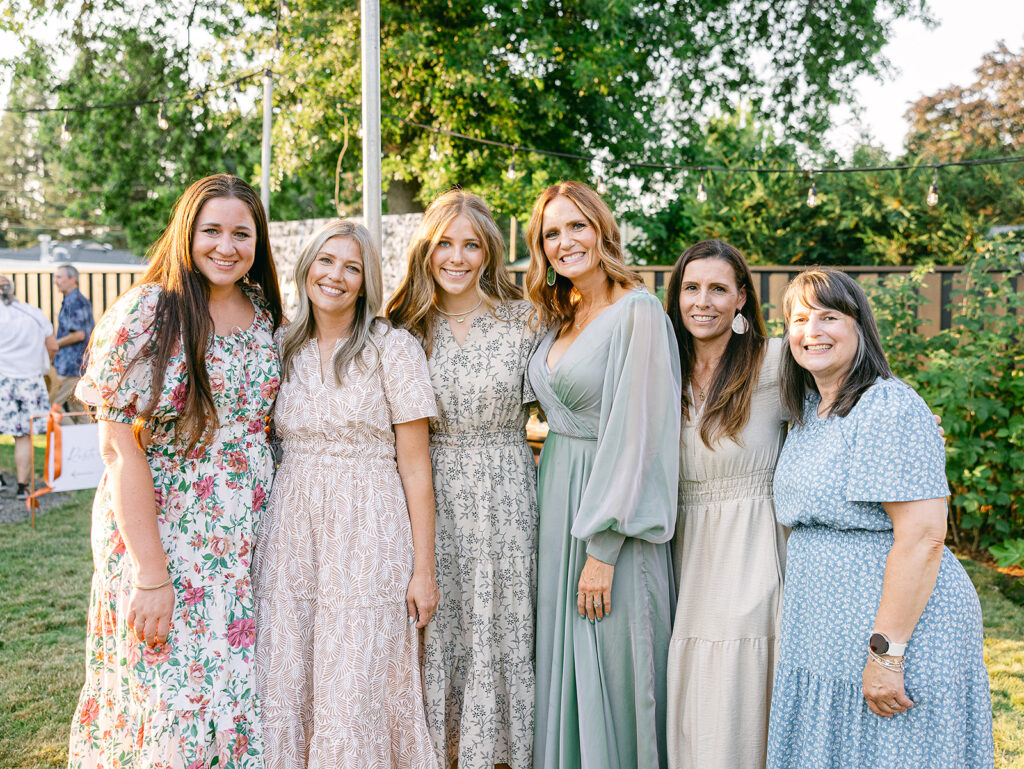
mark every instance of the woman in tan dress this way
{"type": "Point", "coordinates": [461, 304]}
{"type": "Point", "coordinates": [344, 562]}
{"type": "Point", "coordinates": [728, 549]}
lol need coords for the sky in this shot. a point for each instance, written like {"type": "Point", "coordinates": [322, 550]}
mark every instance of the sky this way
{"type": "Point", "coordinates": [927, 60]}
{"type": "Point", "coordinates": [924, 60]}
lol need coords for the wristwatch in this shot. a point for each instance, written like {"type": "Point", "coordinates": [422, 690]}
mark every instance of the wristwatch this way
{"type": "Point", "coordinates": [879, 643]}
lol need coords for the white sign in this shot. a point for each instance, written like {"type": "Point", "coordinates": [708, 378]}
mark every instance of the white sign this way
{"type": "Point", "coordinates": [81, 466]}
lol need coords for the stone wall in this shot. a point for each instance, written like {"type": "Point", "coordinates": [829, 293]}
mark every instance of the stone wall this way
{"type": "Point", "coordinates": [287, 239]}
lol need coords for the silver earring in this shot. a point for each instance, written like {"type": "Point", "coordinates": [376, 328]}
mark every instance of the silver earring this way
{"type": "Point", "coordinates": [740, 324]}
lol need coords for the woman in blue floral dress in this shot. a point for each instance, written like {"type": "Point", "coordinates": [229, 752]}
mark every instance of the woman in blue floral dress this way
{"type": "Point", "coordinates": [881, 655]}
{"type": "Point", "coordinates": [183, 372]}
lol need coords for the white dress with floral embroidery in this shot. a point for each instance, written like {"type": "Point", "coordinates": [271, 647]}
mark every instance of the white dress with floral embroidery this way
{"type": "Point", "coordinates": [191, 703]}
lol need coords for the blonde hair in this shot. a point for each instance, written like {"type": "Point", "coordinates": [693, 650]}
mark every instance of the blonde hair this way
{"type": "Point", "coordinates": [303, 327]}
{"type": "Point", "coordinates": [412, 306]}
{"type": "Point", "coordinates": [557, 303]}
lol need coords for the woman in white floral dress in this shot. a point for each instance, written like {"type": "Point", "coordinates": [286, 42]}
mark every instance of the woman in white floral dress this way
{"type": "Point", "coordinates": [461, 304]}
{"type": "Point", "coordinates": [344, 564]}
{"type": "Point", "coordinates": [183, 371]}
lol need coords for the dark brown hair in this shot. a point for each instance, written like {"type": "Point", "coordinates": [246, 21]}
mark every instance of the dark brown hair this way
{"type": "Point", "coordinates": [183, 309]}
{"type": "Point", "coordinates": [829, 289]}
{"type": "Point", "coordinates": [557, 303]}
{"type": "Point", "coordinates": [735, 379]}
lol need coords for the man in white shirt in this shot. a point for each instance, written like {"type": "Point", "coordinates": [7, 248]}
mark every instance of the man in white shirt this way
{"type": "Point", "coordinates": [26, 348]}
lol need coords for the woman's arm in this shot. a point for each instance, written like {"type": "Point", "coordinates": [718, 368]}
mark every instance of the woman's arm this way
{"type": "Point", "coordinates": [911, 569]}
{"type": "Point", "coordinates": [131, 490]}
{"type": "Point", "coordinates": [412, 440]}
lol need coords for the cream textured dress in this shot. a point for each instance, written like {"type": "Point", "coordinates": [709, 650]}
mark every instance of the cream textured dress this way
{"type": "Point", "coordinates": [729, 557]}
{"type": "Point", "coordinates": [336, 658]}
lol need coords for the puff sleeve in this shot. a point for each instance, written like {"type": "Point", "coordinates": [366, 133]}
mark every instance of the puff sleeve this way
{"type": "Point", "coordinates": [897, 454]}
{"type": "Point", "coordinates": [406, 377]}
{"type": "Point", "coordinates": [633, 484]}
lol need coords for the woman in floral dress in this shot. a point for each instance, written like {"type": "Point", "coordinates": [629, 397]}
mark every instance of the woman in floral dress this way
{"type": "Point", "coordinates": [183, 372]}
{"type": "Point", "coordinates": [461, 304]}
{"type": "Point", "coordinates": [344, 564]}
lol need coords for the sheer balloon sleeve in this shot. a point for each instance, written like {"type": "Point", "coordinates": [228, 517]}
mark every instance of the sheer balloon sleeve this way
{"type": "Point", "coordinates": [633, 483]}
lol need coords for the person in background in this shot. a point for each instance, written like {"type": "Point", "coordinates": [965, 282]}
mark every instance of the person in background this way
{"type": "Point", "coordinates": [74, 326]}
{"type": "Point", "coordinates": [183, 371]}
{"type": "Point", "coordinates": [607, 376]}
{"type": "Point", "coordinates": [460, 303]}
{"type": "Point", "coordinates": [880, 661]}
{"type": "Point", "coordinates": [26, 346]}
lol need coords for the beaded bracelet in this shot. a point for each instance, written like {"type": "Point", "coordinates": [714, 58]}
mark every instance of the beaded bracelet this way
{"type": "Point", "coordinates": [165, 583]}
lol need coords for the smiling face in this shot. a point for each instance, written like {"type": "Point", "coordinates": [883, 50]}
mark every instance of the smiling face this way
{"type": "Point", "coordinates": [570, 241]}
{"type": "Point", "coordinates": [457, 259]}
{"type": "Point", "coordinates": [823, 341]}
{"type": "Point", "coordinates": [335, 279]}
{"type": "Point", "coordinates": [709, 298]}
{"type": "Point", "coordinates": [223, 241]}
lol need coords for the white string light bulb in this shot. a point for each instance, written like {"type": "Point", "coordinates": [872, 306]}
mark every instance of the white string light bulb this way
{"type": "Point", "coordinates": [702, 191]}
{"type": "Point", "coordinates": [511, 172]}
{"type": "Point", "coordinates": [161, 120]}
{"type": "Point", "coordinates": [434, 154]}
{"type": "Point", "coordinates": [602, 188]}
{"type": "Point", "coordinates": [812, 195]}
{"type": "Point", "coordinates": [65, 134]}
{"type": "Point", "coordinates": [932, 199]}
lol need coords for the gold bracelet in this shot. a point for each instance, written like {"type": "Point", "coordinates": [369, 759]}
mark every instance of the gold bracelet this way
{"type": "Point", "coordinates": [895, 664]}
{"type": "Point", "coordinates": [165, 583]}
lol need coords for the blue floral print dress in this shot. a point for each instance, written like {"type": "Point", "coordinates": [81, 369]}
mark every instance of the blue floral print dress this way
{"type": "Point", "coordinates": [191, 703]}
{"type": "Point", "coordinates": [830, 482]}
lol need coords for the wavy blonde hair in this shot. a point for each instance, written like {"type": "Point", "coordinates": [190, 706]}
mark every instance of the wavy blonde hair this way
{"type": "Point", "coordinates": [557, 303]}
{"type": "Point", "coordinates": [303, 327]}
{"type": "Point", "coordinates": [412, 306]}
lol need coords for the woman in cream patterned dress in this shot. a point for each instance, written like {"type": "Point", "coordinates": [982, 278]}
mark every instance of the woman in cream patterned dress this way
{"type": "Point", "coordinates": [478, 670]}
{"type": "Point", "coordinates": [344, 564]}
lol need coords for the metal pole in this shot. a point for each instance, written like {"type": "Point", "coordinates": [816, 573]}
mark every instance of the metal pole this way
{"type": "Point", "coordinates": [371, 119]}
{"type": "Point", "coordinates": [268, 117]}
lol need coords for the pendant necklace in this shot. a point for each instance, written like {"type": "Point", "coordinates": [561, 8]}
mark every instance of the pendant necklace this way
{"type": "Point", "coordinates": [460, 317]}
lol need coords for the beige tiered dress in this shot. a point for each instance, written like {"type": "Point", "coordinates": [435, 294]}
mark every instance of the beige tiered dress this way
{"type": "Point", "coordinates": [336, 659]}
{"type": "Point", "coordinates": [729, 557]}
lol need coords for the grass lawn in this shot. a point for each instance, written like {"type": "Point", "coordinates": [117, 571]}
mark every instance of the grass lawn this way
{"type": "Point", "coordinates": [45, 575]}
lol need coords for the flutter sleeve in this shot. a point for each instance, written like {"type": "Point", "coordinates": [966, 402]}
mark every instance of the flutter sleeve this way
{"type": "Point", "coordinates": [117, 389]}
{"type": "Point", "coordinates": [634, 479]}
{"type": "Point", "coordinates": [897, 454]}
{"type": "Point", "coordinates": [406, 378]}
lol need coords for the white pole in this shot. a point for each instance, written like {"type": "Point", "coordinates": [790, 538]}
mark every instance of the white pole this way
{"type": "Point", "coordinates": [371, 119]}
{"type": "Point", "coordinates": [268, 116]}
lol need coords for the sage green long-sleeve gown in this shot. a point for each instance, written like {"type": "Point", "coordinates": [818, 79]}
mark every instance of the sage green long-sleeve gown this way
{"type": "Point", "coordinates": [607, 487]}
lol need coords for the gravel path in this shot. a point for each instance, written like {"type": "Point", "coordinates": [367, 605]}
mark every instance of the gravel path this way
{"type": "Point", "coordinates": [13, 510]}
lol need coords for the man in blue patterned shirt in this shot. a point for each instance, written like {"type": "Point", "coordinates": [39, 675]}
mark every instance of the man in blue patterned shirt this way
{"type": "Point", "coordinates": [74, 325]}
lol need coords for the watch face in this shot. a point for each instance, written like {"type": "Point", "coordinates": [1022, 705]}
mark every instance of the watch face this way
{"type": "Point", "coordinates": [878, 643]}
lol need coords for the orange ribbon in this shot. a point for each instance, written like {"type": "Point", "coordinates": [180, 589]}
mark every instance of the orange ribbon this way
{"type": "Point", "coordinates": [53, 449]}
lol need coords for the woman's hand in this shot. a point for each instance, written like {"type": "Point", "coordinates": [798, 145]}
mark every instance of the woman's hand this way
{"type": "Point", "coordinates": [421, 598]}
{"type": "Point", "coordinates": [883, 690]}
{"type": "Point", "coordinates": [149, 614]}
{"type": "Point", "coordinates": [594, 599]}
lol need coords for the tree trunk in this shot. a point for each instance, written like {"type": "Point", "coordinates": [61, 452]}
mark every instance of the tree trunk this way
{"type": "Point", "coordinates": [401, 197]}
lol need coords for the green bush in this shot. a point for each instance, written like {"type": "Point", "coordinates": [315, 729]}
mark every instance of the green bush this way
{"type": "Point", "coordinates": [972, 375]}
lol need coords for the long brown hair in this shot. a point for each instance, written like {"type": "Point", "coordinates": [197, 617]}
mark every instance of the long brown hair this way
{"type": "Point", "coordinates": [829, 289]}
{"type": "Point", "coordinates": [557, 303]}
{"type": "Point", "coordinates": [735, 379]}
{"type": "Point", "coordinates": [183, 309]}
{"type": "Point", "coordinates": [412, 306]}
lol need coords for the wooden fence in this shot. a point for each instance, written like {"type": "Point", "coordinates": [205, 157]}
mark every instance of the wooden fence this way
{"type": "Point", "coordinates": [103, 285]}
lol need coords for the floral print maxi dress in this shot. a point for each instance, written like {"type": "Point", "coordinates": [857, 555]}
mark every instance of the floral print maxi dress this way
{"type": "Point", "coordinates": [190, 703]}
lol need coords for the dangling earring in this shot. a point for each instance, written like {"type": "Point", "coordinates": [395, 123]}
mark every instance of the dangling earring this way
{"type": "Point", "coordinates": [740, 324]}
{"type": "Point", "coordinates": [551, 276]}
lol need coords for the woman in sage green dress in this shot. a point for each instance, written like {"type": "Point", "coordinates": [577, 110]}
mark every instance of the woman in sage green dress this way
{"type": "Point", "coordinates": [607, 377]}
